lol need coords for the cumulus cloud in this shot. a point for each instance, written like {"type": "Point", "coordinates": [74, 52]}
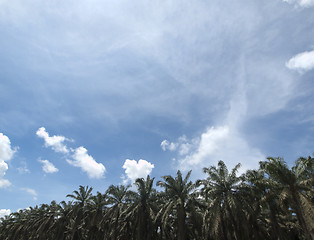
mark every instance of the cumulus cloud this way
{"type": "Point", "coordinates": [31, 192]}
{"type": "Point", "coordinates": [302, 62]}
{"type": "Point", "coordinates": [219, 143]}
{"type": "Point", "coordinates": [6, 153]}
{"type": "Point", "coordinates": [87, 163]}
{"type": "Point", "coordinates": [55, 142]}
{"type": "Point", "coordinates": [78, 158]}
{"type": "Point", "coordinates": [301, 3]}
{"type": "Point", "coordinates": [48, 167]}
{"type": "Point", "coordinates": [4, 212]}
{"type": "Point", "coordinates": [140, 169]}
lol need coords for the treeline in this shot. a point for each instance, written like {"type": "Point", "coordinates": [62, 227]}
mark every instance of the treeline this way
{"type": "Point", "coordinates": [273, 202]}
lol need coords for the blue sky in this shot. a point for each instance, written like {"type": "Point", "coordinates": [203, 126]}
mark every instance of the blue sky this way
{"type": "Point", "coordinates": [98, 93]}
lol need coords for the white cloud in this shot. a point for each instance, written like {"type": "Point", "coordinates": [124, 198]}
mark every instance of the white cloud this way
{"type": "Point", "coordinates": [166, 145]}
{"type": "Point", "coordinates": [220, 143]}
{"type": "Point", "coordinates": [55, 142]}
{"type": "Point", "coordinates": [140, 169]}
{"type": "Point", "coordinates": [79, 158]}
{"type": "Point", "coordinates": [87, 163]}
{"type": "Point", "coordinates": [4, 212]}
{"type": "Point", "coordinates": [302, 3]}
{"type": "Point", "coordinates": [6, 153]}
{"type": "Point", "coordinates": [48, 167]}
{"type": "Point", "coordinates": [302, 62]}
{"type": "Point", "coordinates": [4, 183]}
{"type": "Point", "coordinates": [31, 192]}
{"type": "Point", "coordinates": [23, 168]}
{"type": "Point", "coordinates": [182, 145]}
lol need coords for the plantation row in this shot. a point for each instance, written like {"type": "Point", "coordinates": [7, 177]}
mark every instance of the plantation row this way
{"type": "Point", "coordinates": [273, 202]}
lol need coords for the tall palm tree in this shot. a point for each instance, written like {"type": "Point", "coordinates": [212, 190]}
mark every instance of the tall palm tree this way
{"type": "Point", "coordinates": [265, 215]}
{"type": "Point", "coordinates": [144, 207]}
{"type": "Point", "coordinates": [292, 185]}
{"type": "Point", "coordinates": [95, 211]}
{"type": "Point", "coordinates": [178, 194]}
{"type": "Point", "coordinates": [223, 192]}
{"type": "Point", "coordinates": [61, 227]}
{"type": "Point", "coordinates": [118, 197]}
{"type": "Point", "coordinates": [82, 198]}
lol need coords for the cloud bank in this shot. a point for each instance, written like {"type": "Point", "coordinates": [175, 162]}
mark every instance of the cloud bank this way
{"type": "Point", "coordinates": [302, 62]}
{"type": "Point", "coordinates": [134, 170]}
{"type": "Point", "coordinates": [6, 154]}
{"type": "Point", "coordinates": [48, 167]}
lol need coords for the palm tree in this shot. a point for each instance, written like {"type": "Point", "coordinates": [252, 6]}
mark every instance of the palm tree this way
{"type": "Point", "coordinates": [144, 207]}
{"type": "Point", "coordinates": [61, 227]}
{"type": "Point", "coordinates": [94, 215]}
{"type": "Point", "coordinates": [264, 217]}
{"type": "Point", "coordinates": [293, 185]}
{"type": "Point", "coordinates": [222, 190]}
{"type": "Point", "coordinates": [178, 195]}
{"type": "Point", "coordinates": [118, 197]}
{"type": "Point", "coordinates": [82, 198]}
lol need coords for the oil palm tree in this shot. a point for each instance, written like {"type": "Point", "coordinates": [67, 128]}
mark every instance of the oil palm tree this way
{"type": "Point", "coordinates": [292, 185]}
{"type": "Point", "coordinates": [177, 195]}
{"type": "Point", "coordinates": [118, 197]}
{"type": "Point", "coordinates": [265, 215]}
{"type": "Point", "coordinates": [94, 215]}
{"type": "Point", "coordinates": [222, 190]}
{"type": "Point", "coordinates": [82, 198]}
{"type": "Point", "coordinates": [143, 208]}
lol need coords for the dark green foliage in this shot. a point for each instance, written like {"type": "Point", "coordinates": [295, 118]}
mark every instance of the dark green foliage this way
{"type": "Point", "coordinates": [273, 202]}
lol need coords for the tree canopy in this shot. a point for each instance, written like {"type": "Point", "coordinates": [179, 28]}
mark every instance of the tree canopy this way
{"type": "Point", "coordinates": [272, 202]}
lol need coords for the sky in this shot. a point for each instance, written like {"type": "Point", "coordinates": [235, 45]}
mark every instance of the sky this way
{"type": "Point", "coordinates": [103, 92]}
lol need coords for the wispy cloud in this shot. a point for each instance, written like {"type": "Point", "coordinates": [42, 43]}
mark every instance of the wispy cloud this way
{"type": "Point", "coordinates": [182, 145]}
{"type": "Point", "coordinates": [257, 91]}
{"type": "Point", "coordinates": [47, 166]}
{"type": "Point", "coordinates": [6, 154]}
{"type": "Point", "coordinates": [134, 170]}
{"type": "Point", "coordinates": [23, 168]}
{"type": "Point", "coordinates": [87, 163]}
{"type": "Point", "coordinates": [31, 191]}
{"type": "Point", "coordinates": [302, 62]}
{"type": "Point", "coordinates": [301, 3]}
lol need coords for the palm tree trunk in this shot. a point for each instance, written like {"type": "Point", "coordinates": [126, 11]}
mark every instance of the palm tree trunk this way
{"type": "Point", "coordinates": [300, 214]}
{"type": "Point", "coordinates": [276, 233]}
{"type": "Point", "coordinates": [181, 223]}
{"type": "Point", "coordinates": [223, 227]}
{"type": "Point", "coordinates": [115, 230]}
{"type": "Point", "coordinates": [232, 219]}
